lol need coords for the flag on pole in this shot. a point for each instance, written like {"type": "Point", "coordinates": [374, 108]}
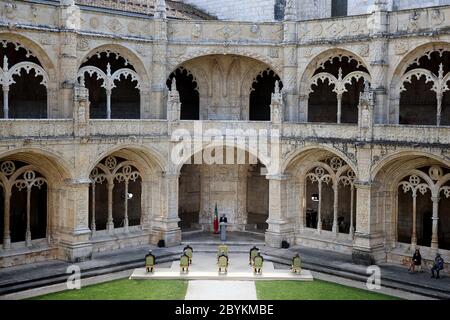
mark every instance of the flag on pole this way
{"type": "Point", "coordinates": [216, 220]}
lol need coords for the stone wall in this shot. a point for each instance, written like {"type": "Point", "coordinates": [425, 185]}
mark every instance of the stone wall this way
{"type": "Point", "coordinates": [261, 10]}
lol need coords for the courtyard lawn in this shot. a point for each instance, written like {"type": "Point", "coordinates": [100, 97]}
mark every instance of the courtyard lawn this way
{"type": "Point", "coordinates": [314, 290]}
{"type": "Point", "coordinates": [125, 289]}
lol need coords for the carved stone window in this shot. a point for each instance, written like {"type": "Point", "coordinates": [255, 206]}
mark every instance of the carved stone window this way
{"type": "Point", "coordinates": [24, 83]}
{"type": "Point", "coordinates": [24, 203]}
{"type": "Point", "coordinates": [424, 91]}
{"type": "Point", "coordinates": [113, 84]}
{"type": "Point", "coordinates": [115, 198]}
{"type": "Point", "coordinates": [335, 89]}
{"type": "Point", "coordinates": [422, 215]}
{"type": "Point", "coordinates": [330, 197]}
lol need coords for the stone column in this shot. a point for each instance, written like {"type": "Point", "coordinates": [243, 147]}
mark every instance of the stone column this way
{"type": "Point", "coordinates": [242, 197]}
{"type": "Point", "coordinates": [368, 243]}
{"type": "Point", "coordinates": [74, 234]}
{"type": "Point", "coordinates": [110, 222]}
{"type": "Point", "coordinates": [6, 218]}
{"type": "Point", "coordinates": [335, 228]}
{"type": "Point", "coordinates": [290, 65]}
{"type": "Point", "coordinates": [166, 226]}
{"type": "Point", "coordinates": [414, 236]}
{"type": "Point", "coordinates": [379, 60]}
{"type": "Point", "coordinates": [434, 237]}
{"type": "Point", "coordinates": [69, 22]}
{"type": "Point", "coordinates": [280, 227]}
{"type": "Point", "coordinates": [159, 64]}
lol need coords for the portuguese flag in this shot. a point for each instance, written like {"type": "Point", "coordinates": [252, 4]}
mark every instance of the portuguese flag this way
{"type": "Point", "coordinates": [216, 220]}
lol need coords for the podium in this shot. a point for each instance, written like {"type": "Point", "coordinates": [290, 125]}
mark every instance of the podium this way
{"type": "Point", "coordinates": [223, 231]}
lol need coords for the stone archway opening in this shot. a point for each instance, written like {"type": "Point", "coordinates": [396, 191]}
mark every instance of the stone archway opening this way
{"type": "Point", "coordinates": [113, 84]}
{"type": "Point", "coordinates": [424, 94]}
{"type": "Point", "coordinates": [240, 191]}
{"type": "Point", "coordinates": [224, 87]}
{"type": "Point", "coordinates": [26, 83]}
{"type": "Point", "coordinates": [260, 96]}
{"type": "Point", "coordinates": [334, 89]}
{"type": "Point", "coordinates": [189, 95]}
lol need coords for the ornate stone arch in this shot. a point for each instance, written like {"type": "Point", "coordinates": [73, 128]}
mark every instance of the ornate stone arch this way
{"type": "Point", "coordinates": [290, 158]}
{"type": "Point", "coordinates": [197, 53]}
{"type": "Point", "coordinates": [316, 62]}
{"type": "Point", "coordinates": [128, 54]}
{"type": "Point", "coordinates": [45, 68]}
{"type": "Point", "coordinates": [148, 160]}
{"type": "Point", "coordinates": [396, 79]}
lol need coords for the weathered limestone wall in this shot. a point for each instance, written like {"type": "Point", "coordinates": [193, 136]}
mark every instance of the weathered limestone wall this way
{"type": "Point", "coordinates": [260, 10]}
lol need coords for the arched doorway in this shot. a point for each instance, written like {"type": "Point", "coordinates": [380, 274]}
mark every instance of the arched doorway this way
{"type": "Point", "coordinates": [240, 191]}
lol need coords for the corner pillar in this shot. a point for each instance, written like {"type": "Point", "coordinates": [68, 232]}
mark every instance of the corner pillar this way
{"type": "Point", "coordinates": [280, 228]}
{"type": "Point", "coordinates": [74, 236]}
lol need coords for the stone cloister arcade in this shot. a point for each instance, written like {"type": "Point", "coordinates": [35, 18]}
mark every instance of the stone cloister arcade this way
{"type": "Point", "coordinates": [87, 135]}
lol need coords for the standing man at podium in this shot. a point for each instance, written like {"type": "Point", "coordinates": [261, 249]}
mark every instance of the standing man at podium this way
{"type": "Point", "coordinates": [223, 228]}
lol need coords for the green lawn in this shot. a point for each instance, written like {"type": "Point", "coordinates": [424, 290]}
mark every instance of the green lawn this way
{"type": "Point", "coordinates": [314, 290]}
{"type": "Point", "coordinates": [125, 289]}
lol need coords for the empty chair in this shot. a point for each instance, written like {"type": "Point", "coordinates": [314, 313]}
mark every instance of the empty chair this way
{"type": "Point", "coordinates": [188, 251]}
{"type": "Point", "coordinates": [184, 263]}
{"type": "Point", "coordinates": [222, 249]}
{"type": "Point", "coordinates": [258, 262]}
{"type": "Point", "coordinates": [150, 262]}
{"type": "Point", "coordinates": [296, 264]}
{"type": "Point", "coordinates": [253, 253]}
{"type": "Point", "coordinates": [222, 263]}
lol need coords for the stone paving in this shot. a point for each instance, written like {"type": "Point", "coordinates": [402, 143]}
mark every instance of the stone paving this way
{"type": "Point", "coordinates": [311, 257]}
{"type": "Point", "coordinates": [204, 267]}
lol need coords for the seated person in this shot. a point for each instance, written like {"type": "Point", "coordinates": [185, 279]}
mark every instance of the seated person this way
{"type": "Point", "coordinates": [438, 266]}
{"type": "Point", "coordinates": [416, 261]}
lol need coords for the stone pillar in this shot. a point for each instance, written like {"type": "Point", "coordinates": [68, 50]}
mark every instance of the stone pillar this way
{"type": "Point", "coordinates": [290, 65]}
{"type": "Point", "coordinates": [434, 237]}
{"type": "Point", "coordinates": [242, 197]}
{"type": "Point", "coordinates": [379, 60]}
{"type": "Point", "coordinates": [280, 228]}
{"type": "Point", "coordinates": [335, 228]}
{"type": "Point", "coordinates": [69, 22]}
{"type": "Point", "coordinates": [368, 243]}
{"type": "Point", "coordinates": [74, 234]}
{"type": "Point", "coordinates": [166, 226]}
{"type": "Point", "coordinates": [159, 63]}
{"type": "Point", "coordinates": [290, 83]}
{"type": "Point", "coordinates": [6, 218]}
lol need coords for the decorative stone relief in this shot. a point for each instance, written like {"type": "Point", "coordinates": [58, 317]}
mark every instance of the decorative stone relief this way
{"type": "Point", "coordinates": [114, 25]}
{"type": "Point", "coordinates": [94, 22]}
{"type": "Point", "coordinates": [227, 32]}
{"type": "Point", "coordinates": [401, 47]}
{"type": "Point", "coordinates": [255, 30]}
{"type": "Point", "coordinates": [10, 10]}
{"type": "Point", "coordinates": [414, 21]}
{"type": "Point", "coordinates": [437, 17]}
{"type": "Point", "coordinates": [364, 50]}
{"type": "Point", "coordinates": [83, 44]}
{"type": "Point", "coordinates": [196, 31]}
{"type": "Point", "coordinates": [273, 53]}
{"type": "Point", "coordinates": [335, 29]}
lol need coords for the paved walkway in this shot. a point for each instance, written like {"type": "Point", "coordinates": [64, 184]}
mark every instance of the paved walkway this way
{"type": "Point", "coordinates": [221, 290]}
{"type": "Point", "coordinates": [204, 267]}
{"type": "Point", "coordinates": [314, 259]}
